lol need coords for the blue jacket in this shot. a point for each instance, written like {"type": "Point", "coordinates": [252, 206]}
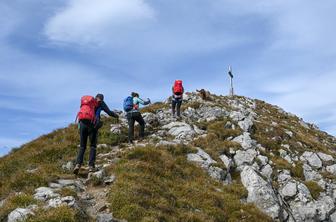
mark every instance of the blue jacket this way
{"type": "Point", "coordinates": [136, 102]}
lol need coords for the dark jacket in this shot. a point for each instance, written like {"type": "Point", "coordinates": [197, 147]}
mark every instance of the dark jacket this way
{"type": "Point", "coordinates": [102, 107]}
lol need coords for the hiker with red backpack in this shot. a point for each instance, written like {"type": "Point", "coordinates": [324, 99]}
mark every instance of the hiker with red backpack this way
{"type": "Point", "coordinates": [131, 107]}
{"type": "Point", "coordinates": [178, 91]}
{"type": "Point", "coordinates": [89, 124]}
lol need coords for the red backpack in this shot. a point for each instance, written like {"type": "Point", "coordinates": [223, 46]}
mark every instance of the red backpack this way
{"type": "Point", "coordinates": [87, 108]}
{"type": "Point", "coordinates": [178, 88]}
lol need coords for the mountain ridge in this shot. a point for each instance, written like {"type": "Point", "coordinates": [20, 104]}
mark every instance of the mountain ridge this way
{"type": "Point", "coordinates": [264, 163]}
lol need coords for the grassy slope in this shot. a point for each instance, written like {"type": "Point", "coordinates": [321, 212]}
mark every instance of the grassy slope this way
{"type": "Point", "coordinates": [161, 185]}
{"type": "Point", "coordinates": [155, 184]}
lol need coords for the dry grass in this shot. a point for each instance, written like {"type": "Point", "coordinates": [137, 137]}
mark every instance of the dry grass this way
{"type": "Point", "coordinates": [15, 201]}
{"type": "Point", "coordinates": [215, 146]}
{"type": "Point", "coordinates": [46, 154]}
{"type": "Point", "coordinates": [314, 189]}
{"type": "Point", "coordinates": [161, 185]}
{"type": "Point", "coordinates": [60, 214]}
{"type": "Point", "coordinates": [297, 171]}
{"type": "Point", "coordinates": [153, 108]}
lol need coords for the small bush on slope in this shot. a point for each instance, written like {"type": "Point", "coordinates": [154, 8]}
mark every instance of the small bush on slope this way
{"type": "Point", "coordinates": [161, 185]}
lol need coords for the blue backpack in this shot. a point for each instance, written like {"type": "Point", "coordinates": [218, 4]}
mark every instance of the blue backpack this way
{"type": "Point", "coordinates": [128, 104]}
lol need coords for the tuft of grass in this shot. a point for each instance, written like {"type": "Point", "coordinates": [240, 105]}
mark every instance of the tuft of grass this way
{"type": "Point", "coordinates": [215, 146]}
{"type": "Point", "coordinates": [314, 188]}
{"type": "Point", "coordinates": [280, 163]}
{"type": "Point", "coordinates": [65, 192]}
{"type": "Point", "coordinates": [153, 108]}
{"type": "Point", "coordinates": [297, 171]}
{"type": "Point", "coordinates": [329, 176]}
{"type": "Point", "coordinates": [161, 185]}
{"type": "Point", "coordinates": [16, 201]}
{"type": "Point", "coordinates": [194, 105]}
{"type": "Point", "coordinates": [58, 214]}
{"type": "Point", "coordinates": [219, 129]}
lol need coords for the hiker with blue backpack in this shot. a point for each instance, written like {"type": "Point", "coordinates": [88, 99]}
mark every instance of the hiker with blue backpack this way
{"type": "Point", "coordinates": [89, 123]}
{"type": "Point", "coordinates": [131, 107]}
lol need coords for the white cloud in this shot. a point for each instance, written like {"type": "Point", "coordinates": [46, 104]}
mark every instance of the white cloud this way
{"type": "Point", "coordinates": [97, 22]}
{"type": "Point", "coordinates": [307, 95]}
{"type": "Point", "coordinates": [295, 24]}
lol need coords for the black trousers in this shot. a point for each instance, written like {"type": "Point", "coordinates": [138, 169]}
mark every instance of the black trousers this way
{"type": "Point", "coordinates": [176, 104]}
{"type": "Point", "coordinates": [86, 130]}
{"type": "Point", "coordinates": [132, 117]}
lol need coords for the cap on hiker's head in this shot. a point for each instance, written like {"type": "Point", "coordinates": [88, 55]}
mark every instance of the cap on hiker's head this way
{"type": "Point", "coordinates": [134, 94]}
{"type": "Point", "coordinates": [100, 96]}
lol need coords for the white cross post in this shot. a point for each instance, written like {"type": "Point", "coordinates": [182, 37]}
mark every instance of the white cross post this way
{"type": "Point", "coordinates": [231, 81]}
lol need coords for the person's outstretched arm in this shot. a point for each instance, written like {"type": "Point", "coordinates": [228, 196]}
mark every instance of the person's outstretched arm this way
{"type": "Point", "coordinates": [144, 102]}
{"type": "Point", "coordinates": [108, 111]}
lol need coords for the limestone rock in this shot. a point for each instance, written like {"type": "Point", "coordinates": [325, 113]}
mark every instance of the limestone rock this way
{"type": "Point", "coordinates": [116, 128]}
{"type": "Point", "coordinates": [66, 183]}
{"type": "Point", "coordinates": [245, 141]}
{"type": "Point", "coordinates": [180, 130]}
{"type": "Point", "coordinates": [325, 157]}
{"type": "Point", "coordinates": [289, 190]}
{"type": "Point", "coordinates": [310, 174]}
{"type": "Point", "coordinates": [246, 124]}
{"type": "Point", "coordinates": [284, 176]}
{"type": "Point", "coordinates": [267, 171]}
{"type": "Point", "coordinates": [104, 217]}
{"type": "Point", "coordinates": [19, 214]}
{"type": "Point", "coordinates": [204, 160]}
{"type": "Point", "coordinates": [333, 217]}
{"type": "Point", "coordinates": [150, 119]}
{"type": "Point", "coordinates": [263, 160]}
{"type": "Point", "coordinates": [245, 157]}
{"type": "Point", "coordinates": [45, 193]}
{"type": "Point", "coordinates": [260, 192]}
{"type": "Point", "coordinates": [331, 169]}
{"type": "Point", "coordinates": [227, 161]}
{"type": "Point", "coordinates": [201, 158]}
{"type": "Point", "coordinates": [217, 173]}
{"type": "Point", "coordinates": [312, 159]}
{"type": "Point", "coordinates": [109, 180]}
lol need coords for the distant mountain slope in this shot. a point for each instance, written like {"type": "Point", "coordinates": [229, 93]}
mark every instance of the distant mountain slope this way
{"type": "Point", "coordinates": [227, 159]}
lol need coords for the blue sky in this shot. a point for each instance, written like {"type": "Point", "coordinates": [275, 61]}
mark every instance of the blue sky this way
{"type": "Point", "coordinates": [52, 52]}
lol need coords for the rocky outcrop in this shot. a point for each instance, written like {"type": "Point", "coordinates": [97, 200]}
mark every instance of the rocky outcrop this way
{"type": "Point", "coordinates": [312, 159]}
{"type": "Point", "coordinates": [205, 161]}
{"type": "Point", "coordinates": [260, 192]}
{"type": "Point", "coordinates": [21, 214]}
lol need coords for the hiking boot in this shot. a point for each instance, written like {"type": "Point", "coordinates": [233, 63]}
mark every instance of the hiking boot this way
{"type": "Point", "coordinates": [76, 169]}
{"type": "Point", "coordinates": [92, 169]}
